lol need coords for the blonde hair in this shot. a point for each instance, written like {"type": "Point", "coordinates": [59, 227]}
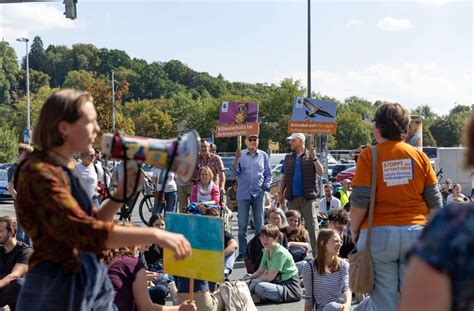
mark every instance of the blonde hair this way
{"type": "Point", "coordinates": [209, 171]}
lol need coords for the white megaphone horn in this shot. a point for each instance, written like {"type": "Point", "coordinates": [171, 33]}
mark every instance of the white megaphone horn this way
{"type": "Point", "coordinates": [183, 151]}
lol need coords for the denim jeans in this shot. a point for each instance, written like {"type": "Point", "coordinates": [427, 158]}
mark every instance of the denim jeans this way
{"type": "Point", "coordinates": [95, 200]}
{"type": "Point", "coordinates": [158, 293]}
{"type": "Point", "coordinates": [229, 262]}
{"type": "Point", "coordinates": [243, 216]}
{"type": "Point", "coordinates": [169, 205]}
{"type": "Point", "coordinates": [389, 248]}
{"type": "Point", "coordinates": [267, 291]}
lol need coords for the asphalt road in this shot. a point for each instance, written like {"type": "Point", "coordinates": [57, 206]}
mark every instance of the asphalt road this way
{"type": "Point", "coordinates": [6, 208]}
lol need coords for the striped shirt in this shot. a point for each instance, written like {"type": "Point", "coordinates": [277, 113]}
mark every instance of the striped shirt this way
{"type": "Point", "coordinates": [325, 288]}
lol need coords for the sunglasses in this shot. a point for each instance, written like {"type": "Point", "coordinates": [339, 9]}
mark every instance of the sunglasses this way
{"type": "Point", "coordinates": [252, 139]}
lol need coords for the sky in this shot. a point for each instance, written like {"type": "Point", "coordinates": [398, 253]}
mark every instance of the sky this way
{"type": "Point", "coordinates": [417, 52]}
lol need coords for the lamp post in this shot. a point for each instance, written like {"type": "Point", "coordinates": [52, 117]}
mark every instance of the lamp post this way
{"type": "Point", "coordinates": [28, 128]}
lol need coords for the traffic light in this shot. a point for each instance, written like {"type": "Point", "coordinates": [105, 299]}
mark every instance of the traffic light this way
{"type": "Point", "coordinates": [70, 9]}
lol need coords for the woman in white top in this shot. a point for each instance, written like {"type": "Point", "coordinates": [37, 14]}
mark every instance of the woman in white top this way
{"type": "Point", "coordinates": [89, 175]}
{"type": "Point", "coordinates": [166, 198]}
{"type": "Point", "coordinates": [456, 195]}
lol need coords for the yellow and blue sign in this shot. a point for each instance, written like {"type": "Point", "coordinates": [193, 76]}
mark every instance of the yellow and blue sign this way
{"type": "Point", "coordinates": [206, 235]}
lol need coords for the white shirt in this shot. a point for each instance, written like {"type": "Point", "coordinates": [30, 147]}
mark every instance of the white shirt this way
{"type": "Point", "coordinates": [160, 174]}
{"type": "Point", "coordinates": [450, 198]}
{"type": "Point", "coordinates": [89, 177]}
{"type": "Point", "coordinates": [335, 203]}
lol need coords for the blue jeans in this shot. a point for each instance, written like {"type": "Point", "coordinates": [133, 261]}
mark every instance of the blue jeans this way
{"type": "Point", "coordinates": [171, 198]}
{"type": "Point", "coordinates": [158, 293]}
{"type": "Point", "coordinates": [244, 209]}
{"type": "Point", "coordinates": [267, 291]}
{"type": "Point", "coordinates": [95, 200]}
{"type": "Point", "coordinates": [229, 262]}
{"type": "Point", "coordinates": [389, 248]}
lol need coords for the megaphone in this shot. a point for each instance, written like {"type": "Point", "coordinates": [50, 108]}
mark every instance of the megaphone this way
{"type": "Point", "coordinates": [181, 153]}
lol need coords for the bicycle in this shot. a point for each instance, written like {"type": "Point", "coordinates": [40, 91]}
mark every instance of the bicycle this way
{"type": "Point", "coordinates": [147, 191]}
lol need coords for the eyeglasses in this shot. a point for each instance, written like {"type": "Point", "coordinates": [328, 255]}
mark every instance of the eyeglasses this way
{"type": "Point", "coordinates": [252, 139]}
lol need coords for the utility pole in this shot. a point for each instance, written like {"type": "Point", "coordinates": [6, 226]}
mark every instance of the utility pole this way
{"type": "Point", "coordinates": [113, 102]}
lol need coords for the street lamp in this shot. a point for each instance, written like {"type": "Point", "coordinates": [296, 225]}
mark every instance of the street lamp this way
{"type": "Point", "coordinates": [28, 128]}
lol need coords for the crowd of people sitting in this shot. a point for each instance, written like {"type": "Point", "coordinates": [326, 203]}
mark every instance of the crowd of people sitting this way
{"type": "Point", "coordinates": [72, 237]}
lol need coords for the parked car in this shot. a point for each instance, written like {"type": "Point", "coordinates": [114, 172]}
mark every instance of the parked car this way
{"type": "Point", "coordinates": [339, 168]}
{"type": "Point", "coordinates": [4, 194]}
{"type": "Point", "coordinates": [347, 174]}
{"type": "Point", "coordinates": [5, 166]}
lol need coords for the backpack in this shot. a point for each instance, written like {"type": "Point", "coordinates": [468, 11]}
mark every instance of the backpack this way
{"type": "Point", "coordinates": [235, 296]}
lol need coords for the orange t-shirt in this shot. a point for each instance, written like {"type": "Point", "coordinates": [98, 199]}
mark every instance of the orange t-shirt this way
{"type": "Point", "coordinates": [402, 173]}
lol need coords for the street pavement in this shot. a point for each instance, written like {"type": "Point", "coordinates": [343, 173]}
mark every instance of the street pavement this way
{"type": "Point", "coordinates": [6, 208]}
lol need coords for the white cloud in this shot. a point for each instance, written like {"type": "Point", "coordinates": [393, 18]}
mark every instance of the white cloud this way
{"type": "Point", "coordinates": [26, 19]}
{"type": "Point", "coordinates": [409, 84]}
{"type": "Point", "coordinates": [436, 2]}
{"type": "Point", "coordinates": [393, 24]}
{"type": "Point", "coordinates": [354, 22]}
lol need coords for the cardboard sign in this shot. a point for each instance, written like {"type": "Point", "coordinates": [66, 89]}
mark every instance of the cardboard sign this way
{"type": "Point", "coordinates": [206, 235]}
{"type": "Point", "coordinates": [237, 119]}
{"type": "Point", "coordinates": [312, 116]}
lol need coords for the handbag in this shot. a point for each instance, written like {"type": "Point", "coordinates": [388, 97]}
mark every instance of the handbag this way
{"type": "Point", "coordinates": [361, 269]}
{"type": "Point", "coordinates": [235, 296]}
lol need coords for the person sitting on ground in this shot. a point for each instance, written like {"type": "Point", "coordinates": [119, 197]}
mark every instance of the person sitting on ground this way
{"type": "Point", "coordinates": [129, 279]}
{"type": "Point", "coordinates": [154, 254]}
{"type": "Point", "coordinates": [447, 189]}
{"type": "Point", "coordinates": [232, 196]}
{"type": "Point", "coordinates": [338, 220]}
{"type": "Point", "coordinates": [276, 279]}
{"type": "Point", "coordinates": [14, 257]}
{"type": "Point", "coordinates": [205, 191]}
{"type": "Point", "coordinates": [254, 254]}
{"type": "Point", "coordinates": [326, 279]}
{"type": "Point", "coordinates": [456, 195]}
{"type": "Point", "coordinates": [298, 239]}
{"type": "Point", "coordinates": [329, 201]}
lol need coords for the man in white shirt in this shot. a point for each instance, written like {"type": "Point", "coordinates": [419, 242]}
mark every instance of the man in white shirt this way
{"type": "Point", "coordinates": [328, 202]}
{"type": "Point", "coordinates": [164, 198]}
{"type": "Point", "coordinates": [89, 176]}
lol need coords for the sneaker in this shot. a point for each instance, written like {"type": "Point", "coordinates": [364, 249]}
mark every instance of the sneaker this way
{"type": "Point", "coordinates": [241, 257]}
{"type": "Point", "coordinates": [173, 292]}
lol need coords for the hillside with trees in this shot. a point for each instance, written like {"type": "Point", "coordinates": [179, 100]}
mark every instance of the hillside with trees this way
{"type": "Point", "coordinates": [161, 99]}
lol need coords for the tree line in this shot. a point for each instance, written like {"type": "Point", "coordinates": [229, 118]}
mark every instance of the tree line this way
{"type": "Point", "coordinates": [161, 99]}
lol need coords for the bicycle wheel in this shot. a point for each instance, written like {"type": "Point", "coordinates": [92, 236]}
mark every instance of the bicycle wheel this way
{"type": "Point", "coordinates": [146, 207]}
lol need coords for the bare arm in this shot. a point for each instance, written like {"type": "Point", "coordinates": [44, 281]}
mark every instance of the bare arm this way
{"type": "Point", "coordinates": [11, 189]}
{"type": "Point", "coordinates": [257, 273]}
{"type": "Point", "coordinates": [126, 236]}
{"type": "Point", "coordinates": [308, 306]}
{"type": "Point", "coordinates": [230, 248]}
{"type": "Point", "coordinates": [269, 275]}
{"type": "Point", "coordinates": [17, 272]}
{"type": "Point", "coordinates": [222, 181]}
{"type": "Point", "coordinates": [357, 217]}
{"type": "Point", "coordinates": [318, 167]}
{"type": "Point", "coordinates": [306, 245]}
{"type": "Point", "coordinates": [347, 296]}
{"type": "Point", "coordinates": [416, 294]}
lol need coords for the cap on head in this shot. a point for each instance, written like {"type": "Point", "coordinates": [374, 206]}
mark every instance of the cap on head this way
{"type": "Point", "coordinates": [297, 136]}
{"type": "Point", "coordinates": [252, 135]}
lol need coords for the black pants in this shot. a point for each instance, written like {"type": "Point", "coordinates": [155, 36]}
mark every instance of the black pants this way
{"type": "Point", "coordinates": [9, 294]}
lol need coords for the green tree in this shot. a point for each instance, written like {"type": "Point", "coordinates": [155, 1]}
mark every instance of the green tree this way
{"type": "Point", "coordinates": [352, 131]}
{"type": "Point", "coordinates": [447, 130]}
{"type": "Point", "coordinates": [38, 80]}
{"type": "Point", "coordinates": [78, 79]}
{"type": "Point", "coordinates": [425, 111]}
{"type": "Point", "coordinates": [428, 139]}
{"type": "Point", "coordinates": [111, 60]}
{"type": "Point", "coordinates": [85, 56]}
{"type": "Point", "coordinates": [37, 56]}
{"type": "Point", "coordinates": [8, 72]}
{"type": "Point", "coordinates": [8, 144]}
